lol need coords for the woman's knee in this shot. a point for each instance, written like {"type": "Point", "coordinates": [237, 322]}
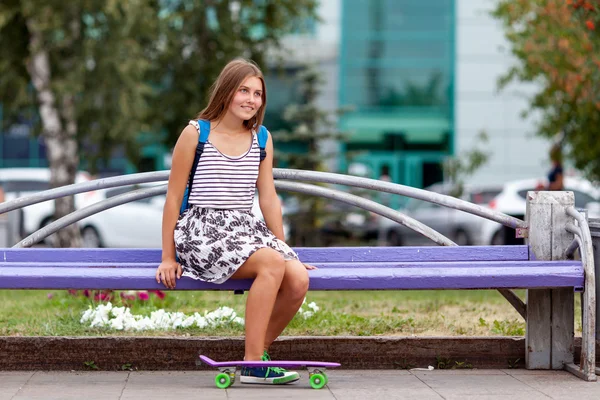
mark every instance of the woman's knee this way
{"type": "Point", "coordinates": [273, 266]}
{"type": "Point", "coordinates": [295, 280]}
{"type": "Point", "coordinates": [263, 262]}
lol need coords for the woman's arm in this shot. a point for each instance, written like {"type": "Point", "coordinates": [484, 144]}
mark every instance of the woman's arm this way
{"type": "Point", "coordinates": [267, 195]}
{"type": "Point", "coordinates": [182, 160]}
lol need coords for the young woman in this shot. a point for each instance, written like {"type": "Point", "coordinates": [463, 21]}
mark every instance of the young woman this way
{"type": "Point", "coordinates": [218, 238]}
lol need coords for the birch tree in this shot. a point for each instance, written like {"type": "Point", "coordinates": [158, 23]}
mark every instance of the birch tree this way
{"type": "Point", "coordinates": [102, 71]}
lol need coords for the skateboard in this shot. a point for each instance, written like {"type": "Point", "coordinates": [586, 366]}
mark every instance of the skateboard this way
{"type": "Point", "coordinates": [226, 376]}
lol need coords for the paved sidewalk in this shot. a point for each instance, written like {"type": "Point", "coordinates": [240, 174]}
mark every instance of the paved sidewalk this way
{"type": "Point", "coordinates": [343, 384]}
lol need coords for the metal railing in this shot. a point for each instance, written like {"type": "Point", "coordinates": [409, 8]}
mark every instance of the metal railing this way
{"type": "Point", "coordinates": [583, 238]}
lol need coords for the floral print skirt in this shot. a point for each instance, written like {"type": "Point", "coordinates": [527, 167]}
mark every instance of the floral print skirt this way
{"type": "Point", "coordinates": [212, 244]}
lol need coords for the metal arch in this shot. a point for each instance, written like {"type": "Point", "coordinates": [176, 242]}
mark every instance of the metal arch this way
{"type": "Point", "coordinates": [287, 174]}
{"type": "Point", "coordinates": [395, 188]}
{"type": "Point", "coordinates": [85, 212]}
{"type": "Point", "coordinates": [587, 368]}
{"type": "Point", "coordinates": [76, 188]}
{"type": "Point", "coordinates": [368, 205]}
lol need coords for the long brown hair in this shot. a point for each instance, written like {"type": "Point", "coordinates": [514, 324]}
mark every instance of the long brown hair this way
{"type": "Point", "coordinates": [225, 87]}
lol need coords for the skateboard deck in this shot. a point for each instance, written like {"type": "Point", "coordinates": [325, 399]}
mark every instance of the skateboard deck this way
{"type": "Point", "coordinates": [226, 378]}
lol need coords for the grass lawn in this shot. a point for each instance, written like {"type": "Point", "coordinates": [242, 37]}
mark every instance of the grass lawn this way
{"type": "Point", "coordinates": [361, 313]}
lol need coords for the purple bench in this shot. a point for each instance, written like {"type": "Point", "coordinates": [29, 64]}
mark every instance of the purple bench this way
{"type": "Point", "coordinates": [350, 268]}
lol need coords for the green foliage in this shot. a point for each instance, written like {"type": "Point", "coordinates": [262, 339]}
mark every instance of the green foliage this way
{"type": "Point", "coordinates": [133, 66]}
{"type": "Point", "coordinates": [199, 37]}
{"type": "Point", "coordinates": [448, 363]}
{"type": "Point", "coordinates": [98, 53]}
{"type": "Point", "coordinates": [90, 364]}
{"type": "Point", "coordinates": [557, 44]}
{"type": "Point", "coordinates": [509, 328]}
{"type": "Point", "coordinates": [362, 313]}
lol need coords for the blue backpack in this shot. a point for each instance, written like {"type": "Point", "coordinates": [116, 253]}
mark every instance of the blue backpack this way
{"type": "Point", "coordinates": [204, 125]}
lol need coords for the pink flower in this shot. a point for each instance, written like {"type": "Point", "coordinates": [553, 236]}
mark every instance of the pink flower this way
{"type": "Point", "coordinates": [127, 296]}
{"type": "Point", "coordinates": [103, 296]}
{"type": "Point", "coordinates": [159, 293]}
{"type": "Point", "coordinates": [50, 295]}
{"type": "Point", "coordinates": [143, 295]}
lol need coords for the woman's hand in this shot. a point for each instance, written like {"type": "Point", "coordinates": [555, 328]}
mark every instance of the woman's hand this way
{"type": "Point", "coordinates": [309, 267]}
{"type": "Point", "coordinates": [167, 271]}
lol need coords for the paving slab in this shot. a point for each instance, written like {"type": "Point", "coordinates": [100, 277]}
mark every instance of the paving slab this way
{"type": "Point", "coordinates": [343, 385]}
{"type": "Point", "coordinates": [11, 382]}
{"type": "Point", "coordinates": [73, 385]}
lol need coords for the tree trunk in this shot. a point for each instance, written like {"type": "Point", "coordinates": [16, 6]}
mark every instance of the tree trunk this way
{"type": "Point", "coordinates": [60, 140]}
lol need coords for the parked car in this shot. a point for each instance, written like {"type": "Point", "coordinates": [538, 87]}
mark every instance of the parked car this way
{"type": "Point", "coordinates": [20, 182]}
{"type": "Point", "coordinates": [135, 224]}
{"type": "Point", "coordinates": [512, 201]}
{"type": "Point", "coordinates": [459, 226]}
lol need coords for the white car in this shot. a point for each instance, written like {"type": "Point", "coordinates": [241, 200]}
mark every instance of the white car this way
{"type": "Point", "coordinates": [21, 182]}
{"type": "Point", "coordinates": [512, 201]}
{"type": "Point", "coordinates": [136, 224]}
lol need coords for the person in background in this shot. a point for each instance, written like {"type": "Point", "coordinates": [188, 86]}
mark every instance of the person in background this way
{"type": "Point", "coordinates": [555, 177]}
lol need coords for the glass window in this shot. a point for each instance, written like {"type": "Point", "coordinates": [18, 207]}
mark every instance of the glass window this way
{"type": "Point", "coordinates": [397, 53]}
{"type": "Point", "coordinates": [582, 199]}
{"type": "Point", "coordinates": [15, 148]}
{"type": "Point", "coordinates": [483, 196]}
{"type": "Point", "coordinates": [523, 193]}
{"type": "Point", "coordinates": [25, 186]}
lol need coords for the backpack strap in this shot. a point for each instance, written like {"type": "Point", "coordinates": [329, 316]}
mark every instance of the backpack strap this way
{"type": "Point", "coordinates": [263, 138]}
{"type": "Point", "coordinates": [203, 132]}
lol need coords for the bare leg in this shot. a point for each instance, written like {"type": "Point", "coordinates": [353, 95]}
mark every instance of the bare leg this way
{"type": "Point", "coordinates": [289, 299]}
{"type": "Point", "coordinates": [267, 267]}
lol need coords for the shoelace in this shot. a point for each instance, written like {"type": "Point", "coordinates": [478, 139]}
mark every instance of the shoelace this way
{"type": "Point", "coordinates": [277, 370]}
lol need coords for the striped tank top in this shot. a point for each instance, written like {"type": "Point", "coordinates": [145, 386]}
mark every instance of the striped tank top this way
{"type": "Point", "coordinates": [225, 182]}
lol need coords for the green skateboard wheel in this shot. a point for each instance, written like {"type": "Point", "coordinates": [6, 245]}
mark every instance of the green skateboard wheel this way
{"type": "Point", "coordinates": [317, 381]}
{"type": "Point", "coordinates": [223, 380]}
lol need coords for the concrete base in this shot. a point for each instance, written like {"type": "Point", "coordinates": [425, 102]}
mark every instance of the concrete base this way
{"type": "Point", "coordinates": [175, 353]}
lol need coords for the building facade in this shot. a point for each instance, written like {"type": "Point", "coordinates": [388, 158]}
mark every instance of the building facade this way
{"type": "Point", "coordinates": [422, 78]}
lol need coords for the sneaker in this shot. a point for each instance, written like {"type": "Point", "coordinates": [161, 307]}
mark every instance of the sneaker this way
{"type": "Point", "coordinates": [267, 357]}
{"type": "Point", "coordinates": [268, 376]}
{"type": "Point", "coordinates": [271, 375]}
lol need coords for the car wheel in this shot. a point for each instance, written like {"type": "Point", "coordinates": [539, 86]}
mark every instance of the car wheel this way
{"type": "Point", "coordinates": [90, 237]}
{"type": "Point", "coordinates": [498, 238]}
{"type": "Point", "coordinates": [461, 238]}
{"type": "Point", "coordinates": [394, 238]}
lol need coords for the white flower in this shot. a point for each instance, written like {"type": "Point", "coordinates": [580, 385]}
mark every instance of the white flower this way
{"type": "Point", "coordinates": [121, 318]}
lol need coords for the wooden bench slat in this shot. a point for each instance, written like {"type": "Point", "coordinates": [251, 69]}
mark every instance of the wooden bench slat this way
{"type": "Point", "coordinates": [323, 279]}
{"type": "Point", "coordinates": [340, 265]}
{"type": "Point", "coordinates": [315, 255]}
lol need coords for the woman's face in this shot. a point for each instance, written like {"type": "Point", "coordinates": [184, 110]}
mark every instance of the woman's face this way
{"type": "Point", "coordinates": [248, 98]}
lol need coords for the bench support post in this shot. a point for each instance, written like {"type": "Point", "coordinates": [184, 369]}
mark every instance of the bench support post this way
{"type": "Point", "coordinates": [550, 312]}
